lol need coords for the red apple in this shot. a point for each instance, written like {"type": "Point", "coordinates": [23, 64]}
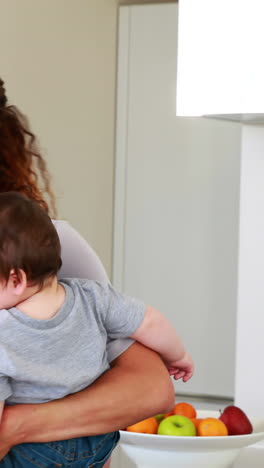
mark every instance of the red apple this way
{"type": "Point", "coordinates": [236, 421]}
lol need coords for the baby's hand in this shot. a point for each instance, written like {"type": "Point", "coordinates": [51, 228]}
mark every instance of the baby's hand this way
{"type": "Point", "coordinates": [182, 369]}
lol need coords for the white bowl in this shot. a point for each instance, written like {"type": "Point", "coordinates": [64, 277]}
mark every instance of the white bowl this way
{"type": "Point", "coordinates": [153, 451]}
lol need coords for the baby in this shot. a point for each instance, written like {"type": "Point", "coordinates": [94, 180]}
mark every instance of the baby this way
{"type": "Point", "coordinates": [53, 334]}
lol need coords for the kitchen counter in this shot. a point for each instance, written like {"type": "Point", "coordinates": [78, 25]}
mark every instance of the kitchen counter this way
{"type": "Point", "coordinates": [251, 457]}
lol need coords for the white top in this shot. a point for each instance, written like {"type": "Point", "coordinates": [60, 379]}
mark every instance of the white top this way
{"type": "Point", "coordinates": [79, 260]}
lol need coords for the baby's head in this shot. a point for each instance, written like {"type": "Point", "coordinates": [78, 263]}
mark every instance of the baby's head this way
{"type": "Point", "coordinates": [29, 242]}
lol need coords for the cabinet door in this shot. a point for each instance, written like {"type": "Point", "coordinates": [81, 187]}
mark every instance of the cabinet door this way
{"type": "Point", "coordinates": [176, 200]}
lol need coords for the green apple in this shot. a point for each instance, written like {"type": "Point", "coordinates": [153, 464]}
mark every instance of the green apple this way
{"type": "Point", "coordinates": [159, 417]}
{"type": "Point", "coordinates": [177, 425]}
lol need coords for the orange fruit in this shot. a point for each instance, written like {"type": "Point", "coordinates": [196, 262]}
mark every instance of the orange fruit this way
{"type": "Point", "coordinates": [185, 409]}
{"type": "Point", "coordinates": [147, 426]}
{"type": "Point", "coordinates": [211, 427]}
{"type": "Point", "coordinates": [196, 422]}
{"type": "Point", "coordinates": [166, 415]}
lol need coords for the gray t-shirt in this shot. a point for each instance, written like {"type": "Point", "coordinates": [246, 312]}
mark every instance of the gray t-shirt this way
{"type": "Point", "coordinates": [79, 260]}
{"type": "Point", "coordinates": [43, 360]}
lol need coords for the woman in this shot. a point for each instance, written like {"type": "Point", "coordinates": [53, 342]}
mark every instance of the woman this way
{"type": "Point", "coordinates": [138, 384]}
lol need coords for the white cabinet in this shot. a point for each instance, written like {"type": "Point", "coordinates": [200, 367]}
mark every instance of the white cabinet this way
{"type": "Point", "coordinates": [176, 200]}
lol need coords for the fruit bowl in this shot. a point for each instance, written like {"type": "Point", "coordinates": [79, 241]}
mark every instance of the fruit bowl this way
{"type": "Point", "coordinates": [153, 451]}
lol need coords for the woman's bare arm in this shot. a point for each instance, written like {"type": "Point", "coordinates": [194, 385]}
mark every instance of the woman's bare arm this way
{"type": "Point", "coordinates": [137, 386]}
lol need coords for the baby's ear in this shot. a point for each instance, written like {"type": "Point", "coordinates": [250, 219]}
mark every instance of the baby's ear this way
{"type": "Point", "coordinates": [18, 282]}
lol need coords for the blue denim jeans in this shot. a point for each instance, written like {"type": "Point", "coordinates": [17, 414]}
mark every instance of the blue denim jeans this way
{"type": "Point", "coordinates": [81, 452]}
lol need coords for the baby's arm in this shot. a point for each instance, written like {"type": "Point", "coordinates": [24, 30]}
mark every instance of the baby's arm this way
{"type": "Point", "coordinates": [156, 332]}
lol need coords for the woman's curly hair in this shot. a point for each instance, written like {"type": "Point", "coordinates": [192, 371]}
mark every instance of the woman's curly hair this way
{"type": "Point", "coordinates": [22, 168]}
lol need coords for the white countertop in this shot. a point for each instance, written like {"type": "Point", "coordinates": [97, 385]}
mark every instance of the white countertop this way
{"type": "Point", "coordinates": [251, 457]}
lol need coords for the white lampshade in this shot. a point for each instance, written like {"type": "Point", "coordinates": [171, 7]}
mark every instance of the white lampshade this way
{"type": "Point", "coordinates": [220, 66]}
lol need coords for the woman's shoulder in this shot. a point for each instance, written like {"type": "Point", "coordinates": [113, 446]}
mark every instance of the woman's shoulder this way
{"type": "Point", "coordinates": [79, 259]}
{"type": "Point", "coordinates": [61, 224]}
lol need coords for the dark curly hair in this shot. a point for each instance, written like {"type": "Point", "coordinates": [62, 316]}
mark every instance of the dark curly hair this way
{"type": "Point", "coordinates": [22, 168]}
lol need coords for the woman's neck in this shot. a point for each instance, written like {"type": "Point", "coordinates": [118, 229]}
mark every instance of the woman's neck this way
{"type": "Point", "coordinates": [44, 303]}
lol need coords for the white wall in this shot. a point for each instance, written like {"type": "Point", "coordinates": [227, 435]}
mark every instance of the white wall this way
{"type": "Point", "coordinates": [58, 61]}
{"type": "Point", "coordinates": [249, 383]}
{"type": "Point", "coordinates": [176, 224]}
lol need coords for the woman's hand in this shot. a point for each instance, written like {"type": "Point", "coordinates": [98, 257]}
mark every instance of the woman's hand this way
{"type": "Point", "coordinates": [4, 452]}
{"type": "Point", "coordinates": [9, 430]}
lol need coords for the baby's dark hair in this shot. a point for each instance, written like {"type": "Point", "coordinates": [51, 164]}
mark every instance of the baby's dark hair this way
{"type": "Point", "coordinates": [28, 240]}
{"type": "Point", "coordinates": [22, 168]}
